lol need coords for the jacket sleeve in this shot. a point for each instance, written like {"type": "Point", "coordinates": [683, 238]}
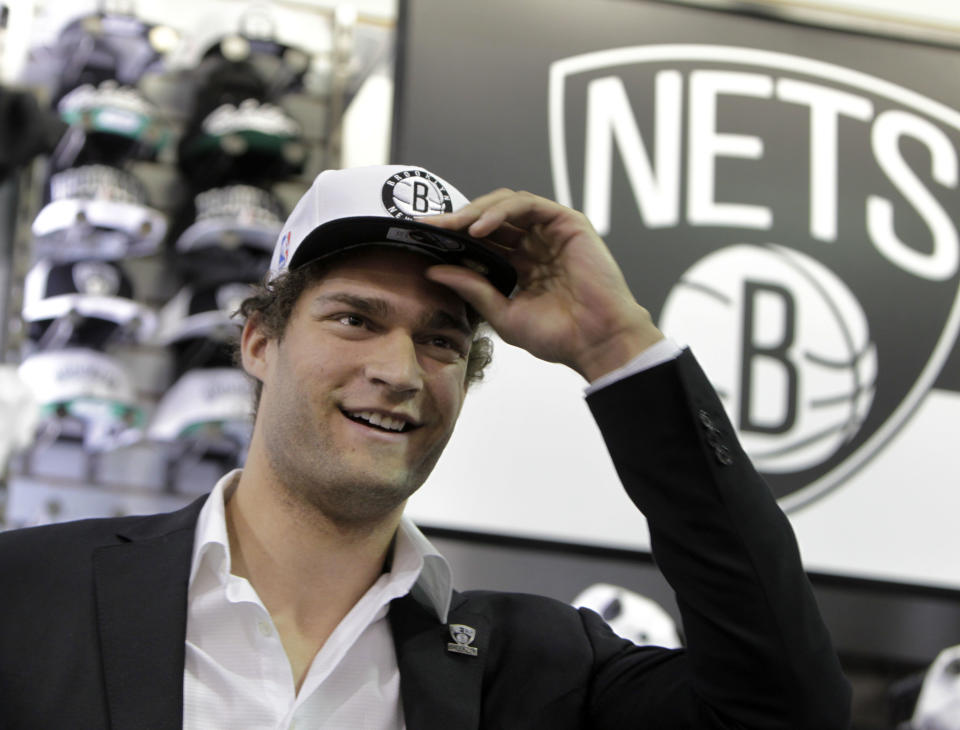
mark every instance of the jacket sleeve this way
{"type": "Point", "coordinates": [758, 654]}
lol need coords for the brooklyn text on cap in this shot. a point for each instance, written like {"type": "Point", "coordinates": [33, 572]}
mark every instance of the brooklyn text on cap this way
{"type": "Point", "coordinates": [387, 205]}
{"type": "Point", "coordinates": [231, 216]}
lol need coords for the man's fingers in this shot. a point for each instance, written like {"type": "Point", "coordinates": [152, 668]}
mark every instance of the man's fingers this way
{"type": "Point", "coordinates": [520, 210]}
{"type": "Point", "coordinates": [506, 237]}
{"type": "Point", "coordinates": [489, 214]}
{"type": "Point", "coordinates": [472, 288]}
{"type": "Point", "coordinates": [469, 213]}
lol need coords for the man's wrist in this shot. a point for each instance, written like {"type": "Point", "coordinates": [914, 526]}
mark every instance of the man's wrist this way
{"type": "Point", "coordinates": [658, 353]}
{"type": "Point", "coordinates": [617, 350]}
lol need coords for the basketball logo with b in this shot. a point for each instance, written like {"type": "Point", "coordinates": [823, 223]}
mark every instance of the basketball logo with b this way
{"type": "Point", "coordinates": [787, 346]}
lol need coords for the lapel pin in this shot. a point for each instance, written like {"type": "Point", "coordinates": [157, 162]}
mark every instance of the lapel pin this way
{"type": "Point", "coordinates": [463, 636]}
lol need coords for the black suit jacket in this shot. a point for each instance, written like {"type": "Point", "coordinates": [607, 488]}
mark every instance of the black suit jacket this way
{"type": "Point", "coordinates": [94, 612]}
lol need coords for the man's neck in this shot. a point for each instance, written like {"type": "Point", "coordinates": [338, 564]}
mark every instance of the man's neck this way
{"type": "Point", "coordinates": [308, 571]}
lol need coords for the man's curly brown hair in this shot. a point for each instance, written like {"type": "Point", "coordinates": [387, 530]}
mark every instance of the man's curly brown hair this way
{"type": "Point", "coordinates": [272, 302]}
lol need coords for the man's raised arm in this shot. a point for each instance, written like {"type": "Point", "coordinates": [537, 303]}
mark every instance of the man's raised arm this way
{"type": "Point", "coordinates": [758, 655]}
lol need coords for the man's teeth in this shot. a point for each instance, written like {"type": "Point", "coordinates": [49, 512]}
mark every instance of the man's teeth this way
{"type": "Point", "coordinates": [378, 419]}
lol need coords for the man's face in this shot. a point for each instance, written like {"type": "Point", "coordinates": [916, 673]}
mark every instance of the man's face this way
{"type": "Point", "coordinates": [362, 392]}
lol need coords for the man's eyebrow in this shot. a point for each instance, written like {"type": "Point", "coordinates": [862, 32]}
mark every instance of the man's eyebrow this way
{"type": "Point", "coordinates": [444, 320]}
{"type": "Point", "coordinates": [364, 305]}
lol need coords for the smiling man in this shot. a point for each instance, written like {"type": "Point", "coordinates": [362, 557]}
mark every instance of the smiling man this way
{"type": "Point", "coordinates": [362, 388]}
{"type": "Point", "coordinates": [298, 595]}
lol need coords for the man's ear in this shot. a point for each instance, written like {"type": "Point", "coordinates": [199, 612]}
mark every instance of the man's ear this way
{"type": "Point", "coordinates": [253, 348]}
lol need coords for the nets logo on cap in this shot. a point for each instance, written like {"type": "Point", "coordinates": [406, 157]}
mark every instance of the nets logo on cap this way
{"type": "Point", "coordinates": [414, 193]}
{"type": "Point", "coordinates": [96, 278]}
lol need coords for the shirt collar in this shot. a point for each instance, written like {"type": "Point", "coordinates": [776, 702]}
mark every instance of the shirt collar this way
{"type": "Point", "coordinates": [415, 560]}
{"type": "Point", "coordinates": [434, 580]}
{"type": "Point", "coordinates": [211, 544]}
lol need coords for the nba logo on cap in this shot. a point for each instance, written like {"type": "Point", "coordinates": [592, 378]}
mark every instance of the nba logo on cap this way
{"type": "Point", "coordinates": [284, 249]}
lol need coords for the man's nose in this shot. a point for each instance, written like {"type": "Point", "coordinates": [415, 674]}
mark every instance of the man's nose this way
{"type": "Point", "coordinates": [394, 363]}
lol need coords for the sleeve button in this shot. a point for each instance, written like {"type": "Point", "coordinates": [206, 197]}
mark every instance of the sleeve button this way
{"type": "Point", "coordinates": [723, 455]}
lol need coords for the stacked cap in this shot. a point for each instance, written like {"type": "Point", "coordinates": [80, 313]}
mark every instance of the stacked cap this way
{"type": "Point", "coordinates": [202, 311]}
{"type": "Point", "coordinates": [239, 143]}
{"type": "Point", "coordinates": [117, 122]}
{"type": "Point", "coordinates": [83, 303]}
{"type": "Point", "coordinates": [79, 301]}
{"type": "Point", "coordinates": [254, 142]}
{"type": "Point", "coordinates": [85, 395]}
{"type": "Point", "coordinates": [238, 129]}
{"type": "Point", "coordinates": [229, 235]}
{"type": "Point", "coordinates": [97, 211]}
{"type": "Point", "coordinates": [211, 406]}
{"type": "Point", "coordinates": [95, 206]}
{"type": "Point", "coordinates": [199, 325]}
{"type": "Point", "coordinates": [109, 46]}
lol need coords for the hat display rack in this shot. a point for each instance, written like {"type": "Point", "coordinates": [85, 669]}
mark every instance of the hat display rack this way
{"type": "Point", "coordinates": [238, 143]}
{"type": "Point", "coordinates": [156, 212]}
{"type": "Point", "coordinates": [79, 302]}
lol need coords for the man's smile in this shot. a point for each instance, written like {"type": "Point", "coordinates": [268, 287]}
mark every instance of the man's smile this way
{"type": "Point", "coordinates": [394, 423]}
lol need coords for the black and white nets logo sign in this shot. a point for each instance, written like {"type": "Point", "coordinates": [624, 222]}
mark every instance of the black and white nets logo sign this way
{"type": "Point", "coordinates": [793, 221]}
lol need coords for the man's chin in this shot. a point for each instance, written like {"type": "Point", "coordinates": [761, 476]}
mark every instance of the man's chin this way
{"type": "Point", "coordinates": [365, 500]}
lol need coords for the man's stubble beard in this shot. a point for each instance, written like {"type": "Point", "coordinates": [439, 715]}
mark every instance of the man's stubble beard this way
{"type": "Point", "coordinates": [321, 484]}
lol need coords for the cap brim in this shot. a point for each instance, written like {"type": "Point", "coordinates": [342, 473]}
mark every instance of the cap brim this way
{"type": "Point", "coordinates": [111, 229]}
{"type": "Point", "coordinates": [227, 233]}
{"type": "Point", "coordinates": [214, 324]}
{"type": "Point", "coordinates": [449, 247]}
{"type": "Point", "coordinates": [113, 309]}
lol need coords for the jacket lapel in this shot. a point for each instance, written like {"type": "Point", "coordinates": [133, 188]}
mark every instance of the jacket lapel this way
{"type": "Point", "coordinates": [141, 594]}
{"type": "Point", "coordinates": [440, 689]}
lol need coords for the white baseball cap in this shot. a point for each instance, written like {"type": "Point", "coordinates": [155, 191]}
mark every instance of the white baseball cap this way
{"type": "Point", "coordinates": [97, 211]}
{"type": "Point", "coordinates": [383, 205]}
{"type": "Point", "coordinates": [90, 389]}
{"type": "Point", "coordinates": [232, 215]}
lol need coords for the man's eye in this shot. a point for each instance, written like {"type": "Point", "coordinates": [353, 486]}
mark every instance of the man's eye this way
{"type": "Point", "coordinates": [446, 343]}
{"type": "Point", "coordinates": [351, 320]}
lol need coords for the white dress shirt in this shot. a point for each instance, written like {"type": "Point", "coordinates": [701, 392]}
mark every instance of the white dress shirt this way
{"type": "Point", "coordinates": [659, 352]}
{"type": "Point", "coordinates": [236, 673]}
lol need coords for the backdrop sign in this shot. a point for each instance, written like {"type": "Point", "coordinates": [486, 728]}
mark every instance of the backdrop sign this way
{"type": "Point", "coordinates": [813, 192]}
{"type": "Point", "coordinates": [782, 198]}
